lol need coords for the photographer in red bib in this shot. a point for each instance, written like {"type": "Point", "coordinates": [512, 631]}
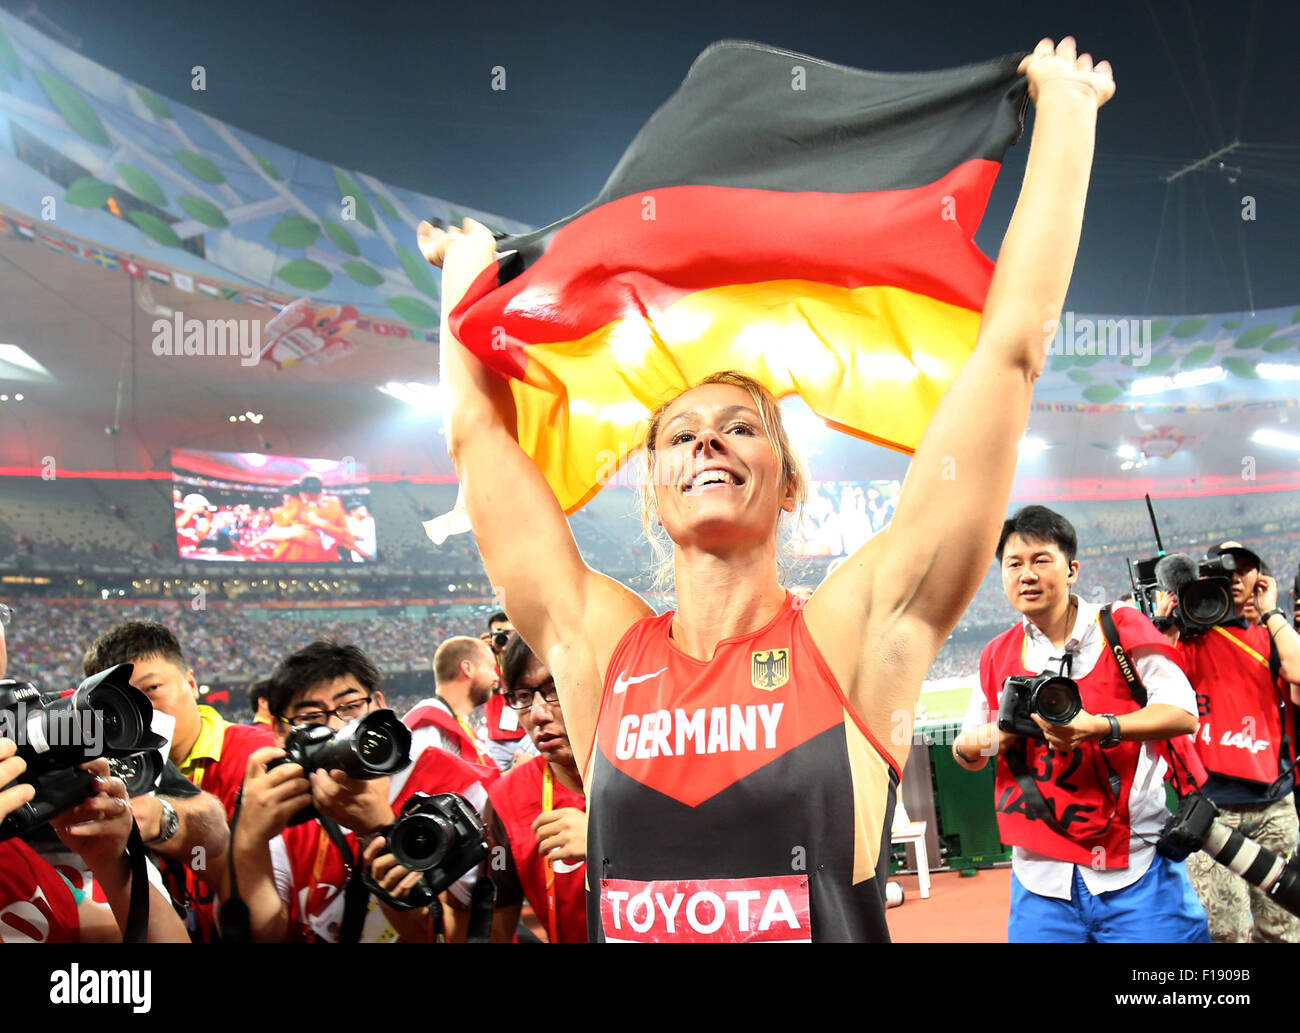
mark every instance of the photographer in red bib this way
{"type": "Point", "coordinates": [1246, 741]}
{"type": "Point", "coordinates": [1081, 802]}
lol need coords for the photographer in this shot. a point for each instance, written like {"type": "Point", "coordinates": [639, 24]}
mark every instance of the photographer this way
{"type": "Point", "coordinates": [1246, 742]}
{"type": "Point", "coordinates": [1084, 807]}
{"type": "Point", "coordinates": [37, 904]}
{"type": "Point", "coordinates": [537, 811]}
{"type": "Point", "coordinates": [207, 749]}
{"type": "Point", "coordinates": [298, 881]}
{"type": "Point", "coordinates": [507, 743]}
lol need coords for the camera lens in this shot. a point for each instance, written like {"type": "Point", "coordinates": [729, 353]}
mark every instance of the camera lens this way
{"type": "Point", "coordinates": [122, 721]}
{"type": "Point", "coordinates": [376, 747]}
{"type": "Point", "coordinates": [419, 841]}
{"type": "Point", "coordinates": [1207, 602]}
{"type": "Point", "coordinates": [1057, 701]}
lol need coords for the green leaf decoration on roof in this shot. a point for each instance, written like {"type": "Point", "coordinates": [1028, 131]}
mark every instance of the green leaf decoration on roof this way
{"type": "Point", "coordinates": [8, 59]}
{"type": "Point", "coordinates": [205, 211]}
{"type": "Point", "coordinates": [156, 228]}
{"type": "Point", "coordinates": [294, 231]}
{"type": "Point", "coordinates": [1061, 361]}
{"type": "Point", "coordinates": [1158, 364]}
{"type": "Point", "coordinates": [363, 274]}
{"type": "Point", "coordinates": [1278, 344]}
{"type": "Point", "coordinates": [154, 103]}
{"type": "Point", "coordinates": [1255, 336]}
{"type": "Point", "coordinates": [1239, 367]}
{"type": "Point", "coordinates": [418, 270]}
{"type": "Point", "coordinates": [4, 82]}
{"type": "Point", "coordinates": [88, 192]}
{"type": "Point", "coordinates": [1088, 360]}
{"type": "Point", "coordinates": [1198, 356]}
{"type": "Point", "coordinates": [340, 238]}
{"type": "Point", "coordinates": [1159, 328]}
{"type": "Point", "coordinates": [415, 312]}
{"type": "Point", "coordinates": [304, 274]}
{"type": "Point", "coordinates": [73, 107]}
{"type": "Point", "coordinates": [1100, 394]}
{"type": "Point", "coordinates": [1231, 324]}
{"type": "Point", "coordinates": [143, 185]}
{"type": "Point", "coordinates": [1295, 316]}
{"type": "Point", "coordinates": [268, 166]}
{"type": "Point", "coordinates": [386, 206]}
{"type": "Point", "coordinates": [1080, 376]}
{"type": "Point", "coordinates": [347, 188]}
{"type": "Point", "coordinates": [1189, 328]}
{"type": "Point", "coordinates": [200, 167]}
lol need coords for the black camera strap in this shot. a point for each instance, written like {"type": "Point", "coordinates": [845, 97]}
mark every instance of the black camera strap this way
{"type": "Point", "coordinates": [1036, 805]}
{"type": "Point", "coordinates": [137, 920]}
{"type": "Point", "coordinates": [355, 894]}
{"type": "Point", "coordinates": [236, 923]}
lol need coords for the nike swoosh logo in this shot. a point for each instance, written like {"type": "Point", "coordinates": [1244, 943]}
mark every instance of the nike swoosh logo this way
{"type": "Point", "coordinates": [564, 867]}
{"type": "Point", "coordinates": [623, 681]}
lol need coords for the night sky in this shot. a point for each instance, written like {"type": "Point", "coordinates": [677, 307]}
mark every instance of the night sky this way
{"type": "Point", "coordinates": [403, 91]}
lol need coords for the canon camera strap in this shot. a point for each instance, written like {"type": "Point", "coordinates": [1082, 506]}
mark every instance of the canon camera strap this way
{"type": "Point", "coordinates": [355, 894]}
{"type": "Point", "coordinates": [1183, 783]}
{"type": "Point", "coordinates": [137, 919]}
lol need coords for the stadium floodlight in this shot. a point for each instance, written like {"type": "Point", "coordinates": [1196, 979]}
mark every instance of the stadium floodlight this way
{"type": "Point", "coordinates": [423, 398]}
{"type": "Point", "coordinates": [1276, 438]}
{"type": "Point", "coordinates": [1126, 451]}
{"type": "Point", "coordinates": [1030, 446]}
{"type": "Point", "coordinates": [16, 364]}
{"type": "Point", "coordinates": [1187, 378]}
{"type": "Point", "coordinates": [1277, 371]}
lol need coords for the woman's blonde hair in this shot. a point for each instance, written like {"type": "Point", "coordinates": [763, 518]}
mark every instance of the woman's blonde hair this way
{"type": "Point", "coordinates": [792, 471]}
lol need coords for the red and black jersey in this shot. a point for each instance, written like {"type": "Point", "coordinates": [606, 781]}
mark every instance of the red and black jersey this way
{"type": "Point", "coordinates": [735, 799]}
{"type": "Point", "coordinates": [517, 801]}
{"type": "Point", "coordinates": [36, 905]}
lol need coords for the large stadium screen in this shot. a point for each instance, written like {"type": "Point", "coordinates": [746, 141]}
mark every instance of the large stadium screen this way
{"type": "Point", "coordinates": [842, 515]}
{"type": "Point", "coordinates": [248, 507]}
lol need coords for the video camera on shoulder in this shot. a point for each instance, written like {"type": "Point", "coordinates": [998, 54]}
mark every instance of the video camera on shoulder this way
{"type": "Point", "coordinates": [1053, 697]}
{"type": "Point", "coordinates": [439, 835]}
{"type": "Point", "coordinates": [1202, 587]}
{"type": "Point", "coordinates": [57, 731]}
{"type": "Point", "coordinates": [373, 746]}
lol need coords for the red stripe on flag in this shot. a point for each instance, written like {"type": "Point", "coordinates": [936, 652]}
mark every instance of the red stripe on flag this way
{"type": "Point", "coordinates": [630, 256]}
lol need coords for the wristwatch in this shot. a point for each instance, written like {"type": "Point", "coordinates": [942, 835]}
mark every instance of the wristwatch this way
{"type": "Point", "coordinates": [167, 825]}
{"type": "Point", "coordinates": [1113, 738]}
{"type": "Point", "coordinates": [1278, 610]}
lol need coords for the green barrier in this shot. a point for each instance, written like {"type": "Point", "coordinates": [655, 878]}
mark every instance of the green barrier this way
{"type": "Point", "coordinates": [963, 803]}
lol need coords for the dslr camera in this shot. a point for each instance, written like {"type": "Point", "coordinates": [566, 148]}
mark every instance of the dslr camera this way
{"type": "Point", "coordinates": [1052, 697]}
{"type": "Point", "coordinates": [373, 746]}
{"type": "Point", "coordinates": [439, 835]}
{"type": "Point", "coordinates": [57, 731]}
{"type": "Point", "coordinates": [1194, 827]}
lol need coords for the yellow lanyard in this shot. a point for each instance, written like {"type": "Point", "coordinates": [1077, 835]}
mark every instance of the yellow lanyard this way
{"type": "Point", "coordinates": [1240, 644]}
{"type": "Point", "coordinates": [548, 801]}
{"type": "Point", "coordinates": [469, 734]}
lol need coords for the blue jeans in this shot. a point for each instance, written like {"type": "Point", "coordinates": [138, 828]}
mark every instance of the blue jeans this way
{"type": "Point", "coordinates": [1161, 907]}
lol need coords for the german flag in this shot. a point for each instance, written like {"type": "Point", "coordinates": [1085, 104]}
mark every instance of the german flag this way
{"type": "Point", "coordinates": [809, 224]}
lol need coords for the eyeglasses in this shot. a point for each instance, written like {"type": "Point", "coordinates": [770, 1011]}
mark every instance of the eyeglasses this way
{"type": "Point", "coordinates": [345, 712]}
{"type": "Point", "coordinates": [6, 613]}
{"type": "Point", "coordinates": [522, 699]}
